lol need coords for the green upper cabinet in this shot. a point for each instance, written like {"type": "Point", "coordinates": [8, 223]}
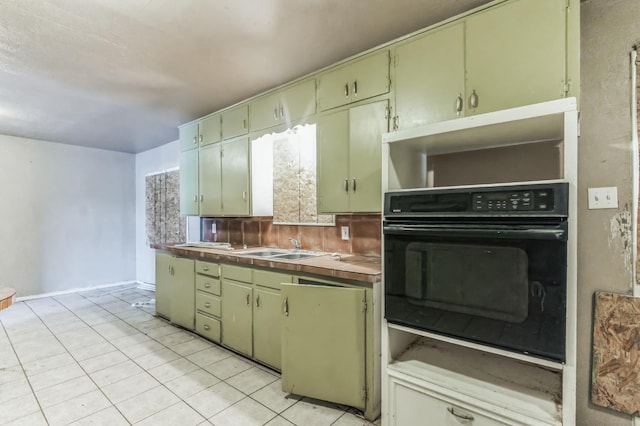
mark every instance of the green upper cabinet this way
{"type": "Point", "coordinates": [354, 81]}
{"type": "Point", "coordinates": [235, 168]}
{"type": "Point", "coordinates": [189, 188]}
{"type": "Point", "coordinates": [516, 54]}
{"type": "Point", "coordinates": [210, 130]}
{"type": "Point", "coordinates": [235, 121]}
{"type": "Point", "coordinates": [349, 159]}
{"type": "Point", "coordinates": [200, 133]}
{"type": "Point", "coordinates": [286, 106]}
{"type": "Point", "coordinates": [429, 76]}
{"type": "Point", "coordinates": [210, 178]}
{"type": "Point", "coordinates": [512, 54]}
{"type": "Point", "coordinates": [189, 134]}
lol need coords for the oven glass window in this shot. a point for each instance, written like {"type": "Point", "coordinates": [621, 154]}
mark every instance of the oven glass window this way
{"type": "Point", "coordinates": [507, 293]}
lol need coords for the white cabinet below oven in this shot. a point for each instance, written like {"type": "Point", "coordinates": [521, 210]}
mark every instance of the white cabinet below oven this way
{"type": "Point", "coordinates": [413, 405]}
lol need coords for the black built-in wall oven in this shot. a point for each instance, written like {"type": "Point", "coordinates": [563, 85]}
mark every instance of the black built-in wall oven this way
{"type": "Point", "coordinates": [481, 264]}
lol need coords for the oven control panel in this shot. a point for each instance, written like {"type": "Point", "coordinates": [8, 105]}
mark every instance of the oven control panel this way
{"type": "Point", "coordinates": [529, 200]}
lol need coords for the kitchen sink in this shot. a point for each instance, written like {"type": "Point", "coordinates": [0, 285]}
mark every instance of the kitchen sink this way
{"type": "Point", "coordinates": [295, 256]}
{"type": "Point", "coordinates": [265, 253]}
{"type": "Point", "coordinates": [284, 254]}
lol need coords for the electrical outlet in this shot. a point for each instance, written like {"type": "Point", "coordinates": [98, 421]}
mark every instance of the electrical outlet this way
{"type": "Point", "coordinates": [603, 198]}
{"type": "Point", "coordinates": [345, 232]}
{"type": "Point", "coordinates": [213, 228]}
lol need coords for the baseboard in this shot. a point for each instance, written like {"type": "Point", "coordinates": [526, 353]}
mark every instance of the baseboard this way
{"type": "Point", "coordinates": [73, 290]}
{"type": "Point", "coordinates": [146, 286]}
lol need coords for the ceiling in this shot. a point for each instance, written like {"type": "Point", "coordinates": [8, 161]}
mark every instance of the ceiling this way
{"type": "Point", "coordinates": [123, 74]}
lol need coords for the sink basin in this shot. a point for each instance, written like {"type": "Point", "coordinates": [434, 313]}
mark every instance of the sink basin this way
{"type": "Point", "coordinates": [264, 253]}
{"type": "Point", "coordinates": [294, 256]}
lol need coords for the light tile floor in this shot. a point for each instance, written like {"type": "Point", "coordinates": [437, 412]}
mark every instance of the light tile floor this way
{"type": "Point", "coordinates": [91, 358]}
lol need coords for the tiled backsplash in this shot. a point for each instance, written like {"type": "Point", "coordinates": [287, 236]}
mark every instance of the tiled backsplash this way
{"type": "Point", "coordinates": [364, 234]}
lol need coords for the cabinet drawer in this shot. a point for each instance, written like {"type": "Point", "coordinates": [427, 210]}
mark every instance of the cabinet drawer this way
{"type": "Point", "coordinates": [271, 279]}
{"type": "Point", "coordinates": [409, 403]}
{"type": "Point", "coordinates": [208, 284]}
{"type": "Point", "coordinates": [208, 327]}
{"type": "Point", "coordinates": [207, 268]}
{"type": "Point", "coordinates": [207, 303]}
{"type": "Point", "coordinates": [236, 273]}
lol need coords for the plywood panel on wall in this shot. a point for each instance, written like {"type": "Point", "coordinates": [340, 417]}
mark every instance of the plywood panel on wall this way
{"type": "Point", "coordinates": [616, 337]}
{"type": "Point", "coordinates": [163, 221]}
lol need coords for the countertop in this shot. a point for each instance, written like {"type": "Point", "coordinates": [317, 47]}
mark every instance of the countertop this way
{"type": "Point", "coordinates": [345, 266]}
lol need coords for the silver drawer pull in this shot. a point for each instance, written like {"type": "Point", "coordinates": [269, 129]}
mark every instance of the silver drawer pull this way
{"type": "Point", "coordinates": [206, 327]}
{"type": "Point", "coordinates": [205, 268]}
{"type": "Point", "coordinates": [248, 299]}
{"type": "Point", "coordinates": [473, 100]}
{"type": "Point", "coordinates": [286, 306]}
{"type": "Point", "coordinates": [258, 301]}
{"type": "Point", "coordinates": [207, 285]}
{"type": "Point", "coordinates": [466, 417]}
{"type": "Point", "coordinates": [207, 305]}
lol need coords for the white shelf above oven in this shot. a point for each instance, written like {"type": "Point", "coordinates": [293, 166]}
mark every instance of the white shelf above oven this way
{"type": "Point", "coordinates": [528, 124]}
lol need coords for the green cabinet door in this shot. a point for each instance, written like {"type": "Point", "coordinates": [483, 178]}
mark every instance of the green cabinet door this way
{"type": "Point", "coordinates": [265, 112]}
{"type": "Point", "coordinates": [266, 327]}
{"type": "Point", "coordinates": [189, 135]}
{"type": "Point", "coordinates": [367, 123]}
{"type": "Point", "coordinates": [298, 101]}
{"type": "Point", "coordinates": [182, 310]}
{"type": "Point", "coordinates": [237, 316]}
{"type": "Point", "coordinates": [163, 284]}
{"type": "Point", "coordinates": [189, 189]}
{"type": "Point", "coordinates": [235, 122]}
{"type": "Point", "coordinates": [323, 343]}
{"type": "Point", "coordinates": [210, 130]}
{"type": "Point", "coordinates": [429, 77]}
{"type": "Point", "coordinates": [355, 81]}
{"type": "Point", "coordinates": [235, 177]}
{"type": "Point", "coordinates": [210, 177]}
{"type": "Point", "coordinates": [332, 145]}
{"type": "Point", "coordinates": [516, 54]}
{"type": "Point", "coordinates": [370, 76]}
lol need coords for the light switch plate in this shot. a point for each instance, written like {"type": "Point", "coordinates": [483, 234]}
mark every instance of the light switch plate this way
{"type": "Point", "coordinates": [603, 198]}
{"type": "Point", "coordinates": [345, 232]}
{"type": "Point", "coordinates": [213, 228]}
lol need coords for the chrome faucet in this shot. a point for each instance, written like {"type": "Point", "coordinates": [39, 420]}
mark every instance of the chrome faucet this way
{"type": "Point", "coordinates": [296, 244]}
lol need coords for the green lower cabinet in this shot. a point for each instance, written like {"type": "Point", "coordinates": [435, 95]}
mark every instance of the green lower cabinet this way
{"type": "Point", "coordinates": [175, 289]}
{"type": "Point", "coordinates": [163, 284]}
{"type": "Point", "coordinates": [266, 327]}
{"type": "Point", "coordinates": [237, 316]}
{"type": "Point", "coordinates": [323, 343]}
{"type": "Point", "coordinates": [182, 306]}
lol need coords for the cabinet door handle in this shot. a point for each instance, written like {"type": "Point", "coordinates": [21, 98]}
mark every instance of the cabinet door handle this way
{"type": "Point", "coordinates": [244, 195]}
{"type": "Point", "coordinates": [355, 88]}
{"type": "Point", "coordinates": [473, 99]}
{"type": "Point", "coordinates": [466, 417]}
{"type": "Point", "coordinates": [346, 90]}
{"type": "Point", "coordinates": [195, 198]}
{"type": "Point", "coordinates": [459, 104]}
{"type": "Point", "coordinates": [248, 299]}
{"type": "Point", "coordinates": [207, 305]}
{"type": "Point", "coordinates": [195, 140]}
{"type": "Point", "coordinates": [281, 111]}
{"type": "Point", "coordinates": [354, 184]}
{"type": "Point", "coordinates": [207, 285]}
{"type": "Point", "coordinates": [200, 138]}
{"type": "Point", "coordinates": [206, 327]}
{"type": "Point", "coordinates": [201, 198]}
{"type": "Point", "coordinates": [346, 185]}
{"type": "Point", "coordinates": [173, 271]}
{"type": "Point", "coordinates": [286, 306]}
{"type": "Point", "coordinates": [258, 301]}
{"type": "Point", "coordinates": [275, 113]}
{"type": "Point", "coordinates": [244, 124]}
{"type": "Point", "coordinates": [169, 269]}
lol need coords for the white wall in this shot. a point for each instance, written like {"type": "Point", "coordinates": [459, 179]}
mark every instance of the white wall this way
{"type": "Point", "coordinates": [155, 160]}
{"type": "Point", "coordinates": [609, 29]}
{"type": "Point", "coordinates": [66, 216]}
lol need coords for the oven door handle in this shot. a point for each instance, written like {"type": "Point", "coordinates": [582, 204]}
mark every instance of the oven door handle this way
{"type": "Point", "coordinates": [557, 233]}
